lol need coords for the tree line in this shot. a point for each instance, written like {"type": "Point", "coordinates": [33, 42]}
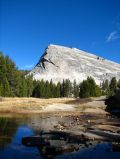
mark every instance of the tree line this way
{"type": "Point", "coordinates": [16, 83]}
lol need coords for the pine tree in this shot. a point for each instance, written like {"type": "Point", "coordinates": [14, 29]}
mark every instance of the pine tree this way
{"type": "Point", "coordinates": [75, 89]}
{"type": "Point", "coordinates": [16, 85]}
{"type": "Point", "coordinates": [42, 88]}
{"type": "Point", "coordinates": [67, 88]}
{"type": "Point", "coordinates": [92, 86]}
{"type": "Point", "coordinates": [52, 89]}
{"type": "Point", "coordinates": [47, 90]}
{"type": "Point", "coordinates": [98, 92]}
{"type": "Point", "coordinates": [10, 74]}
{"type": "Point", "coordinates": [4, 85]}
{"type": "Point", "coordinates": [105, 85]}
{"type": "Point", "coordinates": [5, 88]}
{"type": "Point", "coordinates": [88, 88]}
{"type": "Point", "coordinates": [29, 82]}
{"type": "Point", "coordinates": [84, 89]}
{"type": "Point", "coordinates": [23, 88]}
{"type": "Point", "coordinates": [36, 89]}
{"type": "Point", "coordinates": [113, 86]}
{"type": "Point", "coordinates": [58, 87]}
{"type": "Point", "coordinates": [63, 89]}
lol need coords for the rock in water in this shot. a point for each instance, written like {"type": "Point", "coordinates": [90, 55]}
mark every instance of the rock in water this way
{"type": "Point", "coordinates": [59, 62]}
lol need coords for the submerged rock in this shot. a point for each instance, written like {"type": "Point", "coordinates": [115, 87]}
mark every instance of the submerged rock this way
{"type": "Point", "coordinates": [116, 147]}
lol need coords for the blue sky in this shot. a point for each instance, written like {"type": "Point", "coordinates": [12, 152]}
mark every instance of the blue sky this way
{"type": "Point", "coordinates": [28, 26]}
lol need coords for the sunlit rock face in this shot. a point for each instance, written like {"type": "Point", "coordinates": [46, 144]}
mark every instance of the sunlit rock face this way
{"type": "Point", "coordinates": [59, 62]}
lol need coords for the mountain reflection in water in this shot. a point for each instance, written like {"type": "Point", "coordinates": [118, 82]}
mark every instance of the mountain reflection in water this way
{"type": "Point", "coordinates": [57, 145]}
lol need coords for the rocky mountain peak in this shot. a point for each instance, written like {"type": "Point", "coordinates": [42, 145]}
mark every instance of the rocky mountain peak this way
{"type": "Point", "coordinates": [59, 62]}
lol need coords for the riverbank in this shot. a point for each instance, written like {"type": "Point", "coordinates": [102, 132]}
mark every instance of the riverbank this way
{"type": "Point", "coordinates": [53, 105]}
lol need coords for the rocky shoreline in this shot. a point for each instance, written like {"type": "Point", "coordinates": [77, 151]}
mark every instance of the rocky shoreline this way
{"type": "Point", "coordinates": [74, 133]}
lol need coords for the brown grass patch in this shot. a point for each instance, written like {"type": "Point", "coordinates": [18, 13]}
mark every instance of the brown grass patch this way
{"type": "Point", "coordinates": [28, 104]}
{"type": "Point", "coordinates": [78, 101]}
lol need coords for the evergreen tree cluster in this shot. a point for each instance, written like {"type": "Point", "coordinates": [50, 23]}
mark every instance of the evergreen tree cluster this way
{"type": "Point", "coordinates": [88, 88]}
{"type": "Point", "coordinates": [113, 96]}
{"type": "Point", "coordinates": [109, 88]}
{"type": "Point", "coordinates": [46, 89]}
{"type": "Point", "coordinates": [12, 81]}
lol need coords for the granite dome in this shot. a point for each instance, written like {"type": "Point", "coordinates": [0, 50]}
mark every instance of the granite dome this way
{"type": "Point", "coordinates": [59, 62]}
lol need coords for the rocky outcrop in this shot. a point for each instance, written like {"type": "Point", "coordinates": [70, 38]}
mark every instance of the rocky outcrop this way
{"type": "Point", "coordinates": [58, 63]}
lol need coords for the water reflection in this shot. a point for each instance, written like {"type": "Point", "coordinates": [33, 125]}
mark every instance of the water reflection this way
{"type": "Point", "coordinates": [57, 144]}
{"type": "Point", "coordinates": [36, 137]}
{"type": "Point", "coordinates": [53, 143]}
{"type": "Point", "coordinates": [12, 129]}
{"type": "Point", "coordinates": [7, 131]}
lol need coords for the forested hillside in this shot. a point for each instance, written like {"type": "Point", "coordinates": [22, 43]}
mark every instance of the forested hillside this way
{"type": "Point", "coordinates": [17, 83]}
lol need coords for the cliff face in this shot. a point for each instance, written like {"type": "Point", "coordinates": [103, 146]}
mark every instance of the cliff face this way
{"type": "Point", "coordinates": [58, 63]}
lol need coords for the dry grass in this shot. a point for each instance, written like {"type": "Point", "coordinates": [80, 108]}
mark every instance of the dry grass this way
{"type": "Point", "coordinates": [37, 105]}
{"type": "Point", "coordinates": [79, 101]}
{"type": "Point", "coordinates": [28, 104]}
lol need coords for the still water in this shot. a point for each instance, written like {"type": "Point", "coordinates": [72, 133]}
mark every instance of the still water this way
{"type": "Point", "coordinates": [14, 128]}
